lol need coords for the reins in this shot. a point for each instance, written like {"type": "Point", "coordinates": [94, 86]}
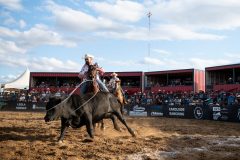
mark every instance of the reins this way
{"type": "Point", "coordinates": [72, 93]}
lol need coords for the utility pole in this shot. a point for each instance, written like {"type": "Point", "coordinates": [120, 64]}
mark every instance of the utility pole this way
{"type": "Point", "coordinates": [149, 14]}
{"type": "Point", "coordinates": [149, 29]}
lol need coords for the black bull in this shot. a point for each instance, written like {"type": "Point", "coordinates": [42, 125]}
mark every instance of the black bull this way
{"type": "Point", "coordinates": [102, 105]}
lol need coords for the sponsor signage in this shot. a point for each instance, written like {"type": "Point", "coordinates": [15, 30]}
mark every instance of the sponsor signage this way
{"type": "Point", "coordinates": [138, 111]}
{"type": "Point", "coordinates": [216, 109]}
{"type": "Point", "coordinates": [36, 106]}
{"type": "Point", "coordinates": [176, 111]}
{"type": "Point", "coordinates": [21, 106]}
{"type": "Point", "coordinates": [198, 113]}
{"type": "Point", "coordinates": [156, 114]}
{"type": "Point", "coordinates": [156, 111]}
{"type": "Point", "coordinates": [216, 112]}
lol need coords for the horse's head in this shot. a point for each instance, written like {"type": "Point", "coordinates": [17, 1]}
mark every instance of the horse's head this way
{"type": "Point", "coordinates": [92, 75]}
{"type": "Point", "coordinates": [92, 72]}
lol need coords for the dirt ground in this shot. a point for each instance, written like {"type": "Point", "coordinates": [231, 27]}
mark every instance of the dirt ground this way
{"type": "Point", "coordinates": [26, 136]}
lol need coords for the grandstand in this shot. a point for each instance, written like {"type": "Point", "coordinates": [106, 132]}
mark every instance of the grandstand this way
{"type": "Point", "coordinates": [131, 82]}
{"type": "Point", "coordinates": [223, 78]}
{"type": "Point", "coordinates": [226, 78]}
{"type": "Point", "coordinates": [66, 81]}
{"type": "Point", "coordinates": [185, 80]}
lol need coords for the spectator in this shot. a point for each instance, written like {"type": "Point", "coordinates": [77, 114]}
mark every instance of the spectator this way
{"type": "Point", "coordinates": [231, 99]}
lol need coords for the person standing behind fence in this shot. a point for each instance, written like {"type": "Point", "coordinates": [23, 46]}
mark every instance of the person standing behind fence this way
{"type": "Point", "coordinates": [83, 74]}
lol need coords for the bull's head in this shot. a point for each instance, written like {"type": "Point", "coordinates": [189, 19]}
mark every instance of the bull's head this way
{"type": "Point", "coordinates": [52, 112]}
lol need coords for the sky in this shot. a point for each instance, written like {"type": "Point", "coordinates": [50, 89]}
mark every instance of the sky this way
{"type": "Point", "coordinates": [54, 36]}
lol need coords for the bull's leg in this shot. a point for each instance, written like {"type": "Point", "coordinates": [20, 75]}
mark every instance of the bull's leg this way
{"type": "Point", "coordinates": [116, 127]}
{"type": "Point", "coordinates": [89, 126]}
{"type": "Point", "coordinates": [120, 117]}
{"type": "Point", "coordinates": [102, 125]}
{"type": "Point", "coordinates": [63, 129]}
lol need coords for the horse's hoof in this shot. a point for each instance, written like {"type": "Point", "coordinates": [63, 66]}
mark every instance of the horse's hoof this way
{"type": "Point", "coordinates": [118, 129]}
{"type": "Point", "coordinates": [133, 134]}
{"type": "Point", "coordinates": [88, 140]}
{"type": "Point", "coordinates": [60, 141]}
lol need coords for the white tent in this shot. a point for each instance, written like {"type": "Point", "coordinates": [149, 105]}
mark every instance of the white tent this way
{"type": "Point", "coordinates": [22, 82]}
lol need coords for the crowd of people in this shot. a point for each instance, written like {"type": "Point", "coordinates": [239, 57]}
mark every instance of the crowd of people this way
{"type": "Point", "coordinates": [185, 98]}
{"type": "Point", "coordinates": [146, 98]}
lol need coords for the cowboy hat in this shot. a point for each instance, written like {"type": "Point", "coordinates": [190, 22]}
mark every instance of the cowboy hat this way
{"type": "Point", "coordinates": [114, 74]}
{"type": "Point", "coordinates": [88, 56]}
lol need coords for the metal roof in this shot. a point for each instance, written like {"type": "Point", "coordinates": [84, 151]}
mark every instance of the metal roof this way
{"type": "Point", "coordinates": [229, 66]}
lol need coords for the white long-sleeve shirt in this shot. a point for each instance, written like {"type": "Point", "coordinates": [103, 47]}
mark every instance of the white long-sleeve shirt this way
{"type": "Point", "coordinates": [84, 70]}
{"type": "Point", "coordinates": [112, 82]}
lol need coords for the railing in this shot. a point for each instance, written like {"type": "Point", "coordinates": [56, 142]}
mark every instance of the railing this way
{"type": "Point", "coordinates": [173, 88]}
{"type": "Point", "coordinates": [226, 87]}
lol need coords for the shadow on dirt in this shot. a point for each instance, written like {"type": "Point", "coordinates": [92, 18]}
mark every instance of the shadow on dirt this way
{"type": "Point", "coordinates": [22, 133]}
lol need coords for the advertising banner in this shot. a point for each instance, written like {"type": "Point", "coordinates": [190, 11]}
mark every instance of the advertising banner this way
{"type": "Point", "coordinates": [155, 111]}
{"type": "Point", "coordinates": [138, 111]}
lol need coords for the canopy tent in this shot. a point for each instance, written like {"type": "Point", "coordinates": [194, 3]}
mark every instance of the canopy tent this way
{"type": "Point", "coordinates": [22, 82]}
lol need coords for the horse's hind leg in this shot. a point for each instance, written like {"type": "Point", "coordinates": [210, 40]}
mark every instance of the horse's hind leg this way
{"type": "Point", "coordinates": [120, 117]}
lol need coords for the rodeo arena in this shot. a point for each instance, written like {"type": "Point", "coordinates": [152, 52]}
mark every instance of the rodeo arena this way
{"type": "Point", "coordinates": [182, 114]}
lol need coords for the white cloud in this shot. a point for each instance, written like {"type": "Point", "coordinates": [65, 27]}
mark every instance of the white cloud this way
{"type": "Point", "coordinates": [53, 64]}
{"type": "Point", "coordinates": [9, 21]}
{"type": "Point", "coordinates": [233, 55]}
{"type": "Point", "coordinates": [161, 51]}
{"type": "Point", "coordinates": [161, 32]}
{"type": "Point", "coordinates": [77, 21]}
{"type": "Point", "coordinates": [202, 63]}
{"type": "Point", "coordinates": [152, 61]}
{"type": "Point", "coordinates": [125, 11]}
{"type": "Point", "coordinates": [170, 32]}
{"type": "Point", "coordinates": [7, 78]}
{"type": "Point", "coordinates": [120, 63]}
{"type": "Point", "coordinates": [40, 63]}
{"type": "Point", "coordinates": [10, 47]}
{"type": "Point", "coordinates": [43, 64]}
{"type": "Point", "coordinates": [22, 24]}
{"type": "Point", "coordinates": [204, 14]}
{"type": "Point", "coordinates": [110, 21]}
{"type": "Point", "coordinates": [35, 36]}
{"type": "Point", "coordinates": [12, 4]}
{"type": "Point", "coordinates": [13, 60]}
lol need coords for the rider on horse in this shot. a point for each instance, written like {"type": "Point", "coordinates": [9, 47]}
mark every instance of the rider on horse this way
{"type": "Point", "coordinates": [112, 82]}
{"type": "Point", "coordinates": [83, 74]}
{"type": "Point", "coordinates": [114, 86]}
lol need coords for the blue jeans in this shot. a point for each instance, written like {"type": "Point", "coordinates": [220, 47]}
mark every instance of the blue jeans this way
{"type": "Point", "coordinates": [101, 85]}
{"type": "Point", "coordinates": [83, 88]}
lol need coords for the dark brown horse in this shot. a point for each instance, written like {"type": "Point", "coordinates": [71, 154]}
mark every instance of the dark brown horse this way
{"type": "Point", "coordinates": [92, 75]}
